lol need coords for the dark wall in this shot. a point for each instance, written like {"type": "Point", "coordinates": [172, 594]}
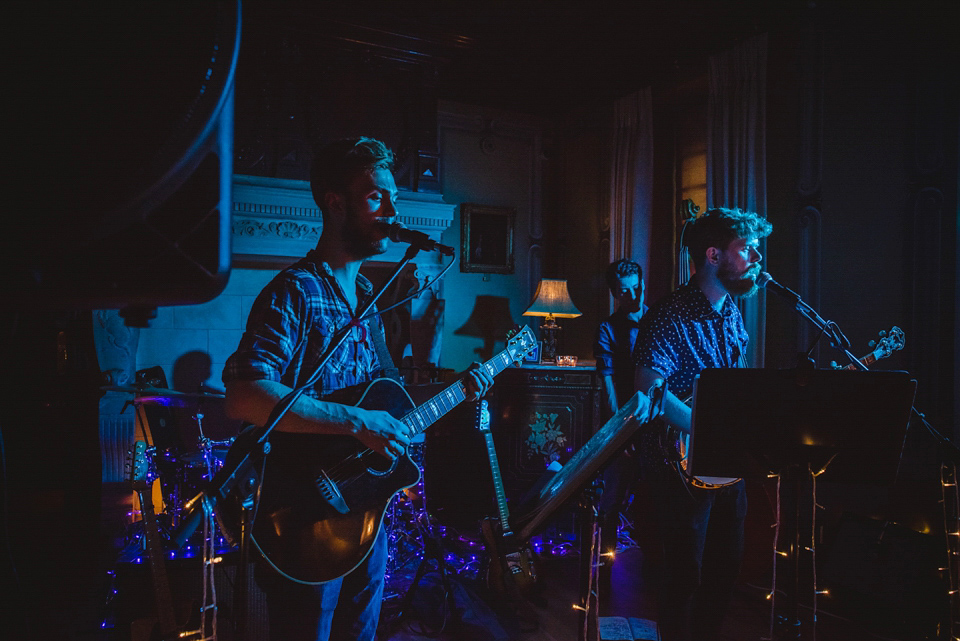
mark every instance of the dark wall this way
{"type": "Point", "coordinates": [862, 162]}
{"type": "Point", "coordinates": [863, 116]}
{"type": "Point", "coordinates": [576, 245]}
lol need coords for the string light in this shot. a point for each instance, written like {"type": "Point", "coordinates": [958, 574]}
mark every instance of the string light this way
{"type": "Point", "coordinates": [951, 523]}
{"type": "Point", "coordinates": [776, 538]}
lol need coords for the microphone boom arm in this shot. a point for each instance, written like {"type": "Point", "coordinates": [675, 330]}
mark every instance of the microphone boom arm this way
{"type": "Point", "coordinates": [827, 327]}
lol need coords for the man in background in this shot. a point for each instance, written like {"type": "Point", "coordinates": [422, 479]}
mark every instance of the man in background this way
{"type": "Point", "coordinates": [613, 350]}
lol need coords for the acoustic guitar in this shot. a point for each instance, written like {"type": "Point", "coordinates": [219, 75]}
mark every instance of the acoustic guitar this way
{"type": "Point", "coordinates": [322, 498]}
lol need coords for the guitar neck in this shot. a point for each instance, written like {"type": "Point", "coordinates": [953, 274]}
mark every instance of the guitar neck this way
{"type": "Point", "coordinates": [158, 569]}
{"type": "Point", "coordinates": [433, 410]}
{"type": "Point", "coordinates": [498, 484]}
{"type": "Point", "coordinates": [867, 361]}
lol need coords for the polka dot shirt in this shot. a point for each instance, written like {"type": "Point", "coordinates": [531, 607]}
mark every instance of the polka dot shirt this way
{"type": "Point", "coordinates": [682, 335]}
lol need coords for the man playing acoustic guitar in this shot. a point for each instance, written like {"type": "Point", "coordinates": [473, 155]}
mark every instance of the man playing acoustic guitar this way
{"type": "Point", "coordinates": [291, 323]}
{"type": "Point", "coordinates": [696, 327]}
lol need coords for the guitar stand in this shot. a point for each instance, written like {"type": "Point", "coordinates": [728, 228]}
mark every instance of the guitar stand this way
{"type": "Point", "coordinates": [590, 562]}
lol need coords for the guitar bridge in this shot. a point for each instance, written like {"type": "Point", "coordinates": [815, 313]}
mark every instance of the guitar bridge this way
{"type": "Point", "coordinates": [331, 493]}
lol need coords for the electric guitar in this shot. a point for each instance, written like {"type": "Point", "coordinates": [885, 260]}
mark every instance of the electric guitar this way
{"type": "Point", "coordinates": [889, 342]}
{"type": "Point", "coordinates": [167, 628]}
{"type": "Point", "coordinates": [322, 498]}
{"type": "Point", "coordinates": [511, 570]}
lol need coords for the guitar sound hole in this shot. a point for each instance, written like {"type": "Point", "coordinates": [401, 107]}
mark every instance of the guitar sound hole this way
{"type": "Point", "coordinates": [377, 464]}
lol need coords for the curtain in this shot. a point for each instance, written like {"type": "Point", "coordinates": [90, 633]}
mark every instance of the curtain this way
{"type": "Point", "coordinates": [736, 152]}
{"type": "Point", "coordinates": [631, 184]}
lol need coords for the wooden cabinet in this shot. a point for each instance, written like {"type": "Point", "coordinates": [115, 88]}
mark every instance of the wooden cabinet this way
{"type": "Point", "coordinates": [539, 414]}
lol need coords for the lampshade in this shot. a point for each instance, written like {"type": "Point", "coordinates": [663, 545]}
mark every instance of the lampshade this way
{"type": "Point", "coordinates": [552, 299]}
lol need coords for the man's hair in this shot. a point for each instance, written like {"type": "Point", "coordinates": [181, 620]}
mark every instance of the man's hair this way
{"type": "Point", "coordinates": [337, 163]}
{"type": "Point", "coordinates": [721, 226]}
{"type": "Point", "coordinates": [620, 268]}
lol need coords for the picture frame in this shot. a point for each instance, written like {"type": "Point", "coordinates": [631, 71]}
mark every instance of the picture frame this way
{"type": "Point", "coordinates": [486, 238]}
{"type": "Point", "coordinates": [533, 356]}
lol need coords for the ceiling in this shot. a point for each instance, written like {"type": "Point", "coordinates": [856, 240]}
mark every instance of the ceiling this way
{"type": "Point", "coordinates": [543, 57]}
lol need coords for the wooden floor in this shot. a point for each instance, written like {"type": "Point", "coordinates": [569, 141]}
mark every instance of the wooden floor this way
{"type": "Point", "coordinates": [632, 594]}
{"type": "Point", "coordinates": [62, 594]}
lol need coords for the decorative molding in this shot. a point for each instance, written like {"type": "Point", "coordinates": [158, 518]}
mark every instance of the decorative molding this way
{"type": "Point", "coordinates": [811, 116]}
{"type": "Point", "coordinates": [810, 180]}
{"type": "Point", "coordinates": [928, 272]}
{"type": "Point", "coordinates": [277, 218]}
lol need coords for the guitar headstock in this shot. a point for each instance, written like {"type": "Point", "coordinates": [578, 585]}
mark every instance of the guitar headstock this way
{"type": "Point", "coordinates": [137, 466]}
{"type": "Point", "coordinates": [520, 343]}
{"type": "Point", "coordinates": [889, 342]}
{"type": "Point", "coordinates": [483, 416]}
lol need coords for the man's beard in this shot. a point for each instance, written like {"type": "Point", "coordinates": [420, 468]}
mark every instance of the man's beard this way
{"type": "Point", "coordinates": [738, 285]}
{"type": "Point", "coordinates": [361, 242]}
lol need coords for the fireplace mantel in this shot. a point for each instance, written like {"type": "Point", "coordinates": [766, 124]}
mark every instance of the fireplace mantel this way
{"type": "Point", "coordinates": [275, 221]}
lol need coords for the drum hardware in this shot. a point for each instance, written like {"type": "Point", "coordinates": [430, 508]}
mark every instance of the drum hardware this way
{"type": "Point", "coordinates": [150, 395]}
{"type": "Point", "coordinates": [179, 471]}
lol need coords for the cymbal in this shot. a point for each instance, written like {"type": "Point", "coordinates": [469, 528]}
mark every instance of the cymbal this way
{"type": "Point", "coordinates": [145, 392]}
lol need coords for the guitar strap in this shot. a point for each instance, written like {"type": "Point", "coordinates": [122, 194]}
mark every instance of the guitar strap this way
{"type": "Point", "coordinates": [389, 370]}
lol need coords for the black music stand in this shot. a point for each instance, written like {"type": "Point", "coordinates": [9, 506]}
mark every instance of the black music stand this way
{"type": "Point", "coordinates": [751, 422]}
{"type": "Point", "coordinates": [575, 480]}
{"type": "Point", "coordinates": [748, 422]}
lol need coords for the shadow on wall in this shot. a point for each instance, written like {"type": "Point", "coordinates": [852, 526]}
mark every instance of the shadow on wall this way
{"type": "Point", "coordinates": [489, 320]}
{"type": "Point", "coordinates": [204, 415]}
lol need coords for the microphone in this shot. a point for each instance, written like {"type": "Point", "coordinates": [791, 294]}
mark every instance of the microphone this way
{"type": "Point", "coordinates": [766, 281]}
{"type": "Point", "coordinates": [400, 234]}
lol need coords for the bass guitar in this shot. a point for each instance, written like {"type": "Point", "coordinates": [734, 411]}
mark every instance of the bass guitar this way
{"type": "Point", "coordinates": [511, 570]}
{"type": "Point", "coordinates": [322, 498]}
{"type": "Point", "coordinates": [677, 444]}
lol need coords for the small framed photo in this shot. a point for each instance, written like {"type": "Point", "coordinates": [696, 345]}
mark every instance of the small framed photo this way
{"type": "Point", "coordinates": [533, 356]}
{"type": "Point", "coordinates": [486, 238]}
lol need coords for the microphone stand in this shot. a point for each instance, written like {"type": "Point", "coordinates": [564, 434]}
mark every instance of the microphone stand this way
{"type": "Point", "coordinates": [827, 327]}
{"type": "Point", "coordinates": [790, 621]}
{"type": "Point", "coordinates": [228, 477]}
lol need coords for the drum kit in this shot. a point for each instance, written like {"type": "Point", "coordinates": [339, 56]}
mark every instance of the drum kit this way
{"type": "Point", "coordinates": [183, 459]}
{"type": "Point", "coordinates": [180, 457]}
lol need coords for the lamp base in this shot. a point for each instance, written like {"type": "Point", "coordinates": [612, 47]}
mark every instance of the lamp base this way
{"type": "Point", "coordinates": [549, 331]}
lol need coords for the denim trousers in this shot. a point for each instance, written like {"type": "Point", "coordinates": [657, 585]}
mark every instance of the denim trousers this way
{"type": "Point", "coordinates": [345, 609]}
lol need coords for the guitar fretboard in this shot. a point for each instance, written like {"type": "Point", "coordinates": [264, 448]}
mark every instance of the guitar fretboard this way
{"type": "Point", "coordinates": [867, 360]}
{"type": "Point", "coordinates": [430, 412]}
{"type": "Point", "coordinates": [498, 483]}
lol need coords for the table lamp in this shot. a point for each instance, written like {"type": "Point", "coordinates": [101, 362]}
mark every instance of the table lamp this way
{"type": "Point", "coordinates": [552, 301]}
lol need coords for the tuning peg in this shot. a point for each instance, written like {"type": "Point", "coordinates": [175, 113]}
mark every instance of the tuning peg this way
{"type": "Point", "coordinates": [883, 333]}
{"type": "Point", "coordinates": [834, 365]}
{"type": "Point", "coordinates": [872, 343]}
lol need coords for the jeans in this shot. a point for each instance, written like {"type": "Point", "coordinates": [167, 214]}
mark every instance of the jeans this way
{"type": "Point", "coordinates": [702, 533]}
{"type": "Point", "coordinates": [345, 609]}
{"type": "Point", "coordinates": [619, 479]}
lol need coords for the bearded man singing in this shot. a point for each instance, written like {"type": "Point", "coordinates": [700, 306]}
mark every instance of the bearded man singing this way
{"type": "Point", "coordinates": [696, 327]}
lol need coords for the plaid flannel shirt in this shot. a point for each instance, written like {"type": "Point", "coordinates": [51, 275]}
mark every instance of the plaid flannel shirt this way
{"type": "Point", "coordinates": [291, 324]}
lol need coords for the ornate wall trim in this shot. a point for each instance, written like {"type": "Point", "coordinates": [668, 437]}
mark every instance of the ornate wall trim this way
{"type": "Point", "coordinates": [276, 218]}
